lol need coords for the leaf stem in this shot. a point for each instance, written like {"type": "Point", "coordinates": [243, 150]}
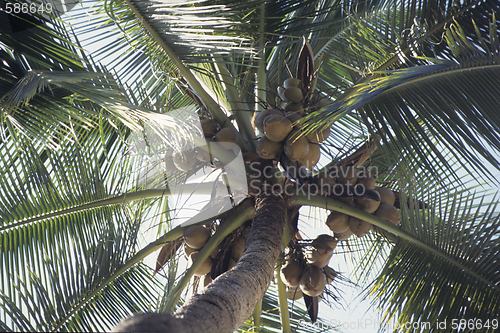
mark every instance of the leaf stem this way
{"type": "Point", "coordinates": [339, 206]}
{"type": "Point", "coordinates": [261, 70]}
{"type": "Point", "coordinates": [283, 303]}
{"type": "Point", "coordinates": [193, 82]}
{"type": "Point", "coordinates": [257, 312]}
{"type": "Point", "coordinates": [120, 199]}
{"type": "Point", "coordinates": [240, 109]}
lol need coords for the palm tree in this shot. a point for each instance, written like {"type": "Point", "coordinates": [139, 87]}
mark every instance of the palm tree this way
{"type": "Point", "coordinates": [408, 89]}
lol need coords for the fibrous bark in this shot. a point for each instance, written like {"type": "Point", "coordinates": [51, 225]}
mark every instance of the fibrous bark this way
{"type": "Point", "coordinates": [230, 299]}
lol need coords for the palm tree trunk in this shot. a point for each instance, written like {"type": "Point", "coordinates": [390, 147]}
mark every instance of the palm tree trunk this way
{"type": "Point", "coordinates": [229, 300]}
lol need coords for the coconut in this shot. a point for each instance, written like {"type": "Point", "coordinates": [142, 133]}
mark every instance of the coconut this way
{"type": "Point", "coordinates": [294, 107]}
{"type": "Point", "coordinates": [204, 268]}
{"type": "Point", "coordinates": [268, 149]}
{"type": "Point", "coordinates": [338, 222]}
{"type": "Point", "coordinates": [344, 235]}
{"type": "Point", "coordinates": [277, 127]}
{"type": "Point", "coordinates": [312, 157]}
{"type": "Point", "coordinates": [292, 82]}
{"type": "Point", "coordinates": [347, 200]}
{"type": "Point", "coordinates": [261, 117]}
{"type": "Point", "coordinates": [296, 146]}
{"type": "Point", "coordinates": [326, 182]}
{"type": "Point", "coordinates": [389, 213]}
{"type": "Point", "coordinates": [238, 247]}
{"type": "Point", "coordinates": [318, 135]}
{"type": "Point", "coordinates": [386, 195]}
{"type": "Point", "coordinates": [209, 128]}
{"type": "Point", "coordinates": [359, 227]}
{"type": "Point", "coordinates": [294, 117]}
{"type": "Point", "coordinates": [325, 240]}
{"type": "Point", "coordinates": [313, 281]}
{"type": "Point", "coordinates": [196, 236]}
{"type": "Point", "coordinates": [291, 273]}
{"type": "Point", "coordinates": [369, 204]}
{"type": "Point", "coordinates": [318, 255]}
{"type": "Point", "coordinates": [346, 175]}
{"type": "Point", "coordinates": [188, 250]}
{"type": "Point", "coordinates": [343, 192]}
{"type": "Point", "coordinates": [226, 137]}
{"type": "Point", "coordinates": [294, 293]}
{"type": "Point", "coordinates": [207, 279]}
{"type": "Point", "coordinates": [368, 182]}
{"type": "Point", "coordinates": [292, 94]}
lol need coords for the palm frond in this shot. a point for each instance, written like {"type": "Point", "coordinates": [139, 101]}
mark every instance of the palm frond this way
{"type": "Point", "coordinates": [132, 292]}
{"type": "Point", "coordinates": [314, 20]}
{"type": "Point", "coordinates": [444, 85]}
{"type": "Point", "coordinates": [57, 264]}
{"type": "Point", "coordinates": [371, 252]}
{"type": "Point", "coordinates": [393, 35]}
{"type": "Point", "coordinates": [463, 228]}
{"type": "Point", "coordinates": [84, 87]}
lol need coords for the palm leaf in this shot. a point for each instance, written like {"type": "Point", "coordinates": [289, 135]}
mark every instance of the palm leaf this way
{"type": "Point", "coordinates": [443, 86]}
{"type": "Point", "coordinates": [370, 253]}
{"type": "Point", "coordinates": [390, 35]}
{"type": "Point", "coordinates": [132, 292]}
{"type": "Point", "coordinates": [464, 228]}
{"type": "Point", "coordinates": [83, 86]}
{"type": "Point", "coordinates": [57, 250]}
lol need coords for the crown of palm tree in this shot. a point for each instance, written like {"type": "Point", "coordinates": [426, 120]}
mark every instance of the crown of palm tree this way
{"type": "Point", "coordinates": [422, 76]}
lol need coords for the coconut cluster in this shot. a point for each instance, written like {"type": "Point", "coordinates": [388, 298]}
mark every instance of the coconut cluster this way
{"type": "Point", "coordinates": [186, 159]}
{"type": "Point", "coordinates": [375, 200]}
{"type": "Point", "coordinates": [195, 238]}
{"type": "Point", "coordinates": [308, 272]}
{"type": "Point", "coordinates": [283, 130]}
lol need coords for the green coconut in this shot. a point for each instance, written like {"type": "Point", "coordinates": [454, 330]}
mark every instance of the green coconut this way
{"type": "Point", "coordinates": [277, 127]}
{"type": "Point", "coordinates": [196, 236]}
{"type": "Point", "coordinates": [268, 149]}
{"type": "Point", "coordinates": [292, 82]}
{"type": "Point", "coordinates": [296, 146]}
